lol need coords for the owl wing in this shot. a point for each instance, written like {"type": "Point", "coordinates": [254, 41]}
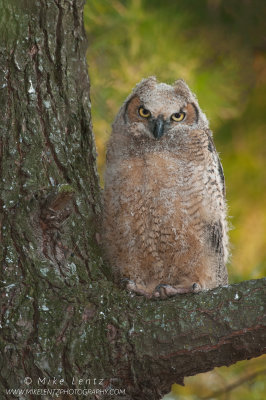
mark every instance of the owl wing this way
{"type": "Point", "coordinates": [217, 230]}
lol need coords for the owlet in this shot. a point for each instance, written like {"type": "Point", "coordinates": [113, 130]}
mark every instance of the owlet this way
{"type": "Point", "coordinates": [164, 221]}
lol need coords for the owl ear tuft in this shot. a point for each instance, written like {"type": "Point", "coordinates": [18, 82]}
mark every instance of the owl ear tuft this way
{"type": "Point", "coordinates": [145, 84]}
{"type": "Point", "coordinates": [182, 88]}
{"type": "Point", "coordinates": [150, 79]}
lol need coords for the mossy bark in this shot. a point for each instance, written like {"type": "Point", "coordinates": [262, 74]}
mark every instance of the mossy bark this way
{"type": "Point", "coordinates": [61, 316]}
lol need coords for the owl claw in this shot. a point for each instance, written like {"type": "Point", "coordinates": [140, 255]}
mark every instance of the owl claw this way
{"type": "Point", "coordinates": [125, 281]}
{"type": "Point", "coordinates": [196, 287]}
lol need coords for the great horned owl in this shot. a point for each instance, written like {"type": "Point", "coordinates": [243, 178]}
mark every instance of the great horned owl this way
{"type": "Point", "coordinates": [164, 222]}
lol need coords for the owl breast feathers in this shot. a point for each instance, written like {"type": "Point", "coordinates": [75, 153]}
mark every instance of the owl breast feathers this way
{"type": "Point", "coordinates": [164, 223]}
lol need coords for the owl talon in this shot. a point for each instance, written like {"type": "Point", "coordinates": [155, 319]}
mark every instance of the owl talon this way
{"type": "Point", "coordinates": [125, 282]}
{"type": "Point", "coordinates": [196, 287]}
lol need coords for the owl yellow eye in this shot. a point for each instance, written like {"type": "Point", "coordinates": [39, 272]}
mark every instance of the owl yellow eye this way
{"type": "Point", "coordinates": [144, 113]}
{"type": "Point", "coordinates": [177, 117]}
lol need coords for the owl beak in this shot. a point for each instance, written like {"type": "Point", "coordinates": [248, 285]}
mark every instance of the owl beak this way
{"type": "Point", "coordinates": [158, 127]}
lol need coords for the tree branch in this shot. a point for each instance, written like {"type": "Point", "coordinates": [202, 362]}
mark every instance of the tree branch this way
{"type": "Point", "coordinates": [190, 334]}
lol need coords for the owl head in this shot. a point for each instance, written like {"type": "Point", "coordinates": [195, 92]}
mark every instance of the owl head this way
{"type": "Point", "coordinates": [155, 110]}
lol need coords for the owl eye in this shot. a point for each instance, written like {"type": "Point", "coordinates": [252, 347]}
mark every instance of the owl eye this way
{"type": "Point", "coordinates": [144, 113]}
{"type": "Point", "coordinates": [178, 116]}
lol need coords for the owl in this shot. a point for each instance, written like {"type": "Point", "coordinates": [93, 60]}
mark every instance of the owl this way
{"type": "Point", "coordinates": [164, 220]}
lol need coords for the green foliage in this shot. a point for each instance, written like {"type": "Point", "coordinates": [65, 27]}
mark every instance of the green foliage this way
{"type": "Point", "coordinates": [218, 47]}
{"type": "Point", "coordinates": [244, 380]}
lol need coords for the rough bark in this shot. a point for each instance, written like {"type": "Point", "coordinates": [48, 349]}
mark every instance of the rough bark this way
{"type": "Point", "coordinates": [61, 316]}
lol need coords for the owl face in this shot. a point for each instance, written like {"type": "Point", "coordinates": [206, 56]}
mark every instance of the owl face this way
{"type": "Point", "coordinates": [155, 110]}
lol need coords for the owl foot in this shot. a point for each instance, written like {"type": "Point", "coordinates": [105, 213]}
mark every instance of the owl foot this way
{"type": "Point", "coordinates": [132, 287]}
{"type": "Point", "coordinates": [163, 291]}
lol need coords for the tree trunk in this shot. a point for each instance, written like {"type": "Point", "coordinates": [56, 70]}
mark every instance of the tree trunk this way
{"type": "Point", "coordinates": [62, 320]}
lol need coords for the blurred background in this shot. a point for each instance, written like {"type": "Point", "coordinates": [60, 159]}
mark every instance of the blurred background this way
{"type": "Point", "coordinates": [219, 48]}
